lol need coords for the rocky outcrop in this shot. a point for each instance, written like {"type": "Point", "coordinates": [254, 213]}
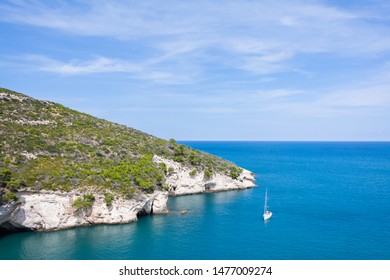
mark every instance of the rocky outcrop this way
{"type": "Point", "coordinates": [50, 210]}
{"type": "Point", "coordinates": [45, 211]}
{"type": "Point", "coordinates": [181, 182]}
{"type": "Point", "coordinates": [7, 210]}
{"type": "Point", "coordinates": [159, 205]}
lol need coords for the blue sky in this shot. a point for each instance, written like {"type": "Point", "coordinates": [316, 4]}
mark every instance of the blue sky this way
{"type": "Point", "coordinates": [208, 70]}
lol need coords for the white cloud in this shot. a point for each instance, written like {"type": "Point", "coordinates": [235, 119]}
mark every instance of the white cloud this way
{"type": "Point", "coordinates": [300, 26]}
{"type": "Point", "coordinates": [95, 65]}
{"type": "Point", "coordinates": [146, 70]}
{"type": "Point", "coordinates": [374, 95]}
{"type": "Point", "coordinates": [184, 42]}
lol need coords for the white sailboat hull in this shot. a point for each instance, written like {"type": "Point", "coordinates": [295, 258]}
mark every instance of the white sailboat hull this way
{"type": "Point", "coordinates": [267, 215]}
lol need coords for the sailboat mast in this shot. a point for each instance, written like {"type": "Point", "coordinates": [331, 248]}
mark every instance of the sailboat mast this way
{"type": "Point", "coordinates": [265, 201]}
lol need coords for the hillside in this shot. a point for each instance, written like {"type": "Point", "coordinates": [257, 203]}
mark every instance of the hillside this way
{"type": "Point", "coordinates": [46, 146]}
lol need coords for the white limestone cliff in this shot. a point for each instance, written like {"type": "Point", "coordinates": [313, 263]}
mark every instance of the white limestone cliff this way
{"type": "Point", "coordinates": [53, 210]}
{"type": "Point", "coordinates": [180, 181]}
{"type": "Point", "coordinates": [7, 210]}
{"type": "Point", "coordinates": [45, 211]}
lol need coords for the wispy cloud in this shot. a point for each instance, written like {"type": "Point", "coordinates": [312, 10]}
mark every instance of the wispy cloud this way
{"type": "Point", "coordinates": [365, 96]}
{"type": "Point", "coordinates": [95, 65]}
{"type": "Point", "coordinates": [260, 37]}
{"type": "Point", "coordinates": [146, 70]}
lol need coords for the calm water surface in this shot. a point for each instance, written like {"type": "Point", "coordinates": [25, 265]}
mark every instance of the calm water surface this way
{"type": "Point", "coordinates": [330, 200]}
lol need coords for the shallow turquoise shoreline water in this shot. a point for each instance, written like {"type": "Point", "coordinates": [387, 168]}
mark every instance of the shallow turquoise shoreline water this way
{"type": "Point", "coordinates": [330, 201]}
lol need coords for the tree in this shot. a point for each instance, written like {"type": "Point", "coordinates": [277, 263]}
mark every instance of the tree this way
{"type": "Point", "coordinates": [172, 142]}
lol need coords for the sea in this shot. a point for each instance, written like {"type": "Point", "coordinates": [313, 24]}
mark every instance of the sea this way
{"type": "Point", "coordinates": [330, 201]}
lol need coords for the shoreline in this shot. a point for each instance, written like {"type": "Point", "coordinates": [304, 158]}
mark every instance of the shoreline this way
{"type": "Point", "coordinates": [45, 211]}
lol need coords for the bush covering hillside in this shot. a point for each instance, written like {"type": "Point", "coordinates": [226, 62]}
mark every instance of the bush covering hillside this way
{"type": "Point", "coordinates": [44, 145]}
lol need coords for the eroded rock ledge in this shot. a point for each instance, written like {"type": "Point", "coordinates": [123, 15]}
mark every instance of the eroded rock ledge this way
{"type": "Point", "coordinates": [49, 210]}
{"type": "Point", "coordinates": [46, 211]}
{"type": "Point", "coordinates": [181, 182]}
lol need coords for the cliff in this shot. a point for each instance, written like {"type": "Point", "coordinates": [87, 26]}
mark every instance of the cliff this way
{"type": "Point", "coordinates": [60, 168]}
{"type": "Point", "coordinates": [49, 210]}
{"type": "Point", "coordinates": [53, 210]}
{"type": "Point", "coordinates": [182, 182]}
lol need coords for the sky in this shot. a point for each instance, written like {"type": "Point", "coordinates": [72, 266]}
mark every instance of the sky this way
{"type": "Point", "coordinates": [294, 70]}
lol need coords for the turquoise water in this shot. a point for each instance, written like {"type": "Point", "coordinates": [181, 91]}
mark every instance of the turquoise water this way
{"type": "Point", "coordinates": [330, 200]}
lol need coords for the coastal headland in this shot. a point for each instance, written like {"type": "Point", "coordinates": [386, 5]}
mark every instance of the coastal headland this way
{"type": "Point", "coordinates": [60, 168]}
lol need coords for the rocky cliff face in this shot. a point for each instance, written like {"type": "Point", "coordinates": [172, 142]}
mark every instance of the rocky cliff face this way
{"type": "Point", "coordinates": [45, 211]}
{"type": "Point", "coordinates": [181, 182]}
{"type": "Point", "coordinates": [53, 210]}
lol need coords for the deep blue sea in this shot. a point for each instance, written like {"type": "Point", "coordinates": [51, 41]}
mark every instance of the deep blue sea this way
{"type": "Point", "coordinates": [330, 200]}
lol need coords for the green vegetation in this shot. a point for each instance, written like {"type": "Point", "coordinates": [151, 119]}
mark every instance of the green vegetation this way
{"type": "Point", "coordinates": [180, 153]}
{"type": "Point", "coordinates": [172, 142]}
{"type": "Point", "coordinates": [7, 183]}
{"type": "Point", "coordinates": [108, 199]}
{"type": "Point", "coordinates": [163, 167]}
{"type": "Point", "coordinates": [10, 196]}
{"type": "Point", "coordinates": [5, 177]}
{"type": "Point", "coordinates": [85, 202]}
{"type": "Point", "coordinates": [235, 171]}
{"type": "Point", "coordinates": [193, 172]}
{"type": "Point", "coordinates": [44, 145]}
{"type": "Point", "coordinates": [208, 174]}
{"type": "Point", "coordinates": [146, 174]}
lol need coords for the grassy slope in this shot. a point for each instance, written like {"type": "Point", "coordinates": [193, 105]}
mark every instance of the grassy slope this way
{"type": "Point", "coordinates": [48, 146]}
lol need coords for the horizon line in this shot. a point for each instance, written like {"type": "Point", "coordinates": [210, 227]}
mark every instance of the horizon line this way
{"type": "Point", "coordinates": [357, 141]}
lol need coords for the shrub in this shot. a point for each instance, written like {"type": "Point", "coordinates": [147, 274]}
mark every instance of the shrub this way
{"type": "Point", "coordinates": [163, 167]}
{"type": "Point", "coordinates": [127, 192]}
{"type": "Point", "coordinates": [85, 202]}
{"type": "Point", "coordinates": [89, 198]}
{"type": "Point", "coordinates": [108, 199]}
{"type": "Point", "coordinates": [10, 196]}
{"type": "Point", "coordinates": [235, 172]}
{"type": "Point", "coordinates": [194, 158]}
{"type": "Point", "coordinates": [179, 150]}
{"type": "Point", "coordinates": [78, 203]}
{"type": "Point", "coordinates": [207, 174]}
{"type": "Point", "coordinates": [5, 177]}
{"type": "Point", "coordinates": [15, 184]}
{"type": "Point", "coordinates": [178, 158]}
{"type": "Point", "coordinates": [193, 172]}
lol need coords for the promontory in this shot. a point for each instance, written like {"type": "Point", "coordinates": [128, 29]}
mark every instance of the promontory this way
{"type": "Point", "coordinates": [60, 168]}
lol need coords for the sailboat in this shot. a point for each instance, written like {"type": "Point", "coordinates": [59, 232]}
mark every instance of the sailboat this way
{"type": "Point", "coordinates": [267, 214]}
